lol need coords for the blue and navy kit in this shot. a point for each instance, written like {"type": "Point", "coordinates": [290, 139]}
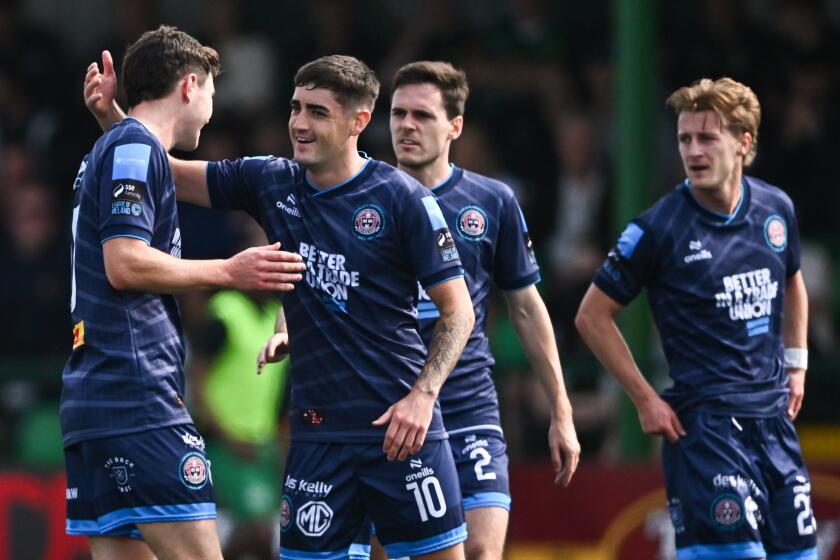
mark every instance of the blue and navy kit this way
{"type": "Point", "coordinates": [736, 483]}
{"type": "Point", "coordinates": [126, 371]}
{"type": "Point", "coordinates": [116, 483]}
{"type": "Point", "coordinates": [493, 242]}
{"type": "Point", "coordinates": [332, 492]}
{"type": "Point", "coordinates": [716, 285]}
{"type": "Point", "coordinates": [354, 348]}
{"type": "Point", "coordinates": [355, 351]}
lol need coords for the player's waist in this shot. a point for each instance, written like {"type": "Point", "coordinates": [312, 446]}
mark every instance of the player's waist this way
{"type": "Point", "coordinates": [334, 423]}
{"type": "Point", "coordinates": [739, 399]}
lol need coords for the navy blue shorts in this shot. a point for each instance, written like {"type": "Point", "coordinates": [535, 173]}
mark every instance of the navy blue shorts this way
{"type": "Point", "coordinates": [115, 483]}
{"type": "Point", "coordinates": [482, 463]}
{"type": "Point", "coordinates": [738, 488]}
{"type": "Point", "coordinates": [332, 492]}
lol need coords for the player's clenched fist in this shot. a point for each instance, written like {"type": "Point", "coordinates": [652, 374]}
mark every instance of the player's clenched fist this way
{"type": "Point", "coordinates": [264, 268]}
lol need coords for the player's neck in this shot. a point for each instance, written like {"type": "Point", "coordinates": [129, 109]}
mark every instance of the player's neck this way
{"type": "Point", "coordinates": [724, 198]}
{"type": "Point", "coordinates": [431, 175]}
{"type": "Point", "coordinates": [157, 119]}
{"type": "Point", "coordinates": [335, 172]}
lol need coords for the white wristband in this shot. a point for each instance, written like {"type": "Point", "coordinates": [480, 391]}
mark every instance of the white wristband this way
{"type": "Point", "coordinates": [796, 358]}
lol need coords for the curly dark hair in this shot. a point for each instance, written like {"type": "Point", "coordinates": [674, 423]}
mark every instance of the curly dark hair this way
{"type": "Point", "coordinates": [351, 80]}
{"type": "Point", "coordinates": [158, 59]}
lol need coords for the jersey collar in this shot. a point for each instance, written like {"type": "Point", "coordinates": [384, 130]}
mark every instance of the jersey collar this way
{"type": "Point", "coordinates": [360, 176]}
{"type": "Point", "coordinates": [719, 218]}
{"type": "Point", "coordinates": [447, 184]}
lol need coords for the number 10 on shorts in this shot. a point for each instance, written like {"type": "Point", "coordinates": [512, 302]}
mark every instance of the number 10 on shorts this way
{"type": "Point", "coordinates": [428, 504]}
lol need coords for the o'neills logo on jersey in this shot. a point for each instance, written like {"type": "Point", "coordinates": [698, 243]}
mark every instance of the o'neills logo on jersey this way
{"type": "Point", "coordinates": [775, 233]}
{"type": "Point", "coordinates": [472, 223]}
{"type": "Point", "coordinates": [367, 221]}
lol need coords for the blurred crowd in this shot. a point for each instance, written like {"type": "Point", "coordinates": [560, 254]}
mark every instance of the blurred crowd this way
{"type": "Point", "coordinates": [540, 117]}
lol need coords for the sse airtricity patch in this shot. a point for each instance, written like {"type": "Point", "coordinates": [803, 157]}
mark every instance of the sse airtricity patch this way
{"type": "Point", "coordinates": [472, 223]}
{"type": "Point", "coordinates": [127, 197]}
{"type": "Point", "coordinates": [368, 221]}
{"type": "Point", "coordinates": [775, 233]}
{"type": "Point", "coordinates": [193, 470]}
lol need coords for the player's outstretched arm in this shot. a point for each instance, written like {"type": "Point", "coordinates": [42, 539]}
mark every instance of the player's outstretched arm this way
{"type": "Point", "coordinates": [190, 181]}
{"type": "Point", "coordinates": [596, 323]}
{"type": "Point", "coordinates": [795, 336]}
{"type": "Point", "coordinates": [100, 90]}
{"type": "Point", "coordinates": [130, 264]}
{"type": "Point", "coordinates": [533, 327]}
{"type": "Point", "coordinates": [408, 420]}
{"type": "Point", "coordinates": [275, 348]}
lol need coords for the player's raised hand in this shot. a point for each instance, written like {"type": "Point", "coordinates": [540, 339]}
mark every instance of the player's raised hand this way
{"type": "Point", "coordinates": [274, 350]}
{"type": "Point", "coordinates": [796, 386]}
{"type": "Point", "coordinates": [408, 422]}
{"type": "Point", "coordinates": [264, 268]}
{"type": "Point", "coordinates": [565, 450]}
{"type": "Point", "coordinates": [100, 90]}
{"type": "Point", "coordinates": [657, 417]}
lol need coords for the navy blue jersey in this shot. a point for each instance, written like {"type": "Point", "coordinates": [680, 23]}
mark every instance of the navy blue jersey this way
{"type": "Point", "coordinates": [492, 239]}
{"type": "Point", "coordinates": [716, 286]}
{"type": "Point", "coordinates": [355, 349]}
{"type": "Point", "coordinates": [126, 371]}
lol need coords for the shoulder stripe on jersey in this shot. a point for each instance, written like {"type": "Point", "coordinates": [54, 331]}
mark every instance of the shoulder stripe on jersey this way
{"type": "Point", "coordinates": [435, 215]}
{"type": "Point", "coordinates": [522, 219]}
{"type": "Point", "coordinates": [629, 239]}
{"type": "Point", "coordinates": [131, 161]}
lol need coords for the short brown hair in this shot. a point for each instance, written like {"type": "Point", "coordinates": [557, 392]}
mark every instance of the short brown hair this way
{"type": "Point", "coordinates": [350, 79]}
{"type": "Point", "coordinates": [451, 81]}
{"type": "Point", "coordinates": [735, 104]}
{"type": "Point", "coordinates": [158, 59]}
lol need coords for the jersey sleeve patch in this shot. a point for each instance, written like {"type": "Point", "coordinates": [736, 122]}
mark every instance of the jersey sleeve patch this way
{"type": "Point", "coordinates": [131, 161]}
{"type": "Point", "coordinates": [629, 240]}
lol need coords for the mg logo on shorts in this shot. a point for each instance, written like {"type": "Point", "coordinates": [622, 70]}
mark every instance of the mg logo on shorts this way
{"type": "Point", "coordinates": [314, 518]}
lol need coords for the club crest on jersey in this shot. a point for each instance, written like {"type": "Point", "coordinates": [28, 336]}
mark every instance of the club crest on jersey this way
{"type": "Point", "coordinates": [775, 233]}
{"type": "Point", "coordinates": [472, 223]}
{"type": "Point", "coordinates": [367, 221]}
{"type": "Point", "coordinates": [193, 470]}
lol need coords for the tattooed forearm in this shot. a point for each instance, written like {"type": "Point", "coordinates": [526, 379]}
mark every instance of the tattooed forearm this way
{"type": "Point", "coordinates": [451, 333]}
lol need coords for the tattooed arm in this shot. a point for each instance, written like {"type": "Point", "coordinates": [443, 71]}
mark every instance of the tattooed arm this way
{"type": "Point", "coordinates": [410, 417]}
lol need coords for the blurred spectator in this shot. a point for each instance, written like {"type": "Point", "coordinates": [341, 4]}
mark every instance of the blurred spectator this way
{"type": "Point", "coordinates": [35, 292]}
{"type": "Point", "coordinates": [580, 239]}
{"type": "Point", "coordinates": [248, 84]}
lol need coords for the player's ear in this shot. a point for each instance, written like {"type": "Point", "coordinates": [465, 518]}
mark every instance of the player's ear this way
{"type": "Point", "coordinates": [457, 126]}
{"type": "Point", "coordinates": [360, 121]}
{"type": "Point", "coordinates": [745, 144]}
{"type": "Point", "coordinates": [187, 86]}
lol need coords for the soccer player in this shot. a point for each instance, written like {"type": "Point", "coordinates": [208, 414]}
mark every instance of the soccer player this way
{"type": "Point", "coordinates": [135, 464]}
{"type": "Point", "coordinates": [427, 115]}
{"type": "Point", "coordinates": [360, 371]}
{"type": "Point", "coordinates": [719, 256]}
